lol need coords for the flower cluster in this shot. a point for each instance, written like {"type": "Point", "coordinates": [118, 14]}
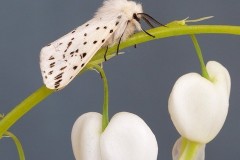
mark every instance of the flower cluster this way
{"type": "Point", "coordinates": [198, 108]}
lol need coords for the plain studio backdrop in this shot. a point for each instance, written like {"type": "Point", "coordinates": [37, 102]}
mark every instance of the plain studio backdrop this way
{"type": "Point", "coordinates": [140, 81]}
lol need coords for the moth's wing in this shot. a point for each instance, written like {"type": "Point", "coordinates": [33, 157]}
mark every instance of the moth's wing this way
{"type": "Point", "coordinates": [63, 59]}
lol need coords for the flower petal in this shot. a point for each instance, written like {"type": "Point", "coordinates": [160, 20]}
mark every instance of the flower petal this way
{"type": "Point", "coordinates": [198, 107]}
{"type": "Point", "coordinates": [220, 76]}
{"type": "Point", "coordinates": [127, 137]}
{"type": "Point", "coordinates": [85, 136]}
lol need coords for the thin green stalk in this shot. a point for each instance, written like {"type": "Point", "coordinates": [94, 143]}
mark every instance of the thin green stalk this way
{"type": "Point", "coordinates": [23, 108]}
{"type": "Point", "coordinates": [160, 32]}
{"type": "Point", "coordinates": [105, 116]}
{"type": "Point", "coordinates": [200, 57]}
{"type": "Point", "coordinates": [18, 144]}
{"type": "Point", "coordinates": [190, 149]}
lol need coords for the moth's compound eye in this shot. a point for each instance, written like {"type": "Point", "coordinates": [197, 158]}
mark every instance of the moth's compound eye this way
{"type": "Point", "coordinates": [136, 17]}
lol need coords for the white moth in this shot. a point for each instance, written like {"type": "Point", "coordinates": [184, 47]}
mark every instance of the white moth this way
{"type": "Point", "coordinates": [64, 58]}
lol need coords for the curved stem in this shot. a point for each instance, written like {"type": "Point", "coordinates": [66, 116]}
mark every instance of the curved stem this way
{"type": "Point", "coordinates": [160, 32]}
{"type": "Point", "coordinates": [105, 117]}
{"type": "Point", "coordinates": [23, 108]}
{"type": "Point", "coordinates": [18, 145]}
{"type": "Point", "coordinates": [171, 31]}
{"type": "Point", "coordinates": [200, 57]}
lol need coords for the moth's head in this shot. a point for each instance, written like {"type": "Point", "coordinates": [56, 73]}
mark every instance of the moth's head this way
{"type": "Point", "coordinates": [113, 8]}
{"type": "Point", "coordinates": [131, 8]}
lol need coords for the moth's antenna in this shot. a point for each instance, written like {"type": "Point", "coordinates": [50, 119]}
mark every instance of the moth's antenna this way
{"type": "Point", "coordinates": [148, 22]}
{"type": "Point", "coordinates": [150, 18]}
{"type": "Point", "coordinates": [138, 19]}
{"type": "Point", "coordinates": [147, 32]}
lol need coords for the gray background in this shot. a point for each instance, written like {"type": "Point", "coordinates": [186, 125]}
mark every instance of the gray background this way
{"type": "Point", "coordinates": [140, 81]}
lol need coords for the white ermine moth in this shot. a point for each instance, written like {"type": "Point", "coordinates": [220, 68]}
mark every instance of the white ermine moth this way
{"type": "Point", "coordinates": [63, 59]}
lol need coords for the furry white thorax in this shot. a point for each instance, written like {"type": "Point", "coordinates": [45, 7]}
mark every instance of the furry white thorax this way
{"type": "Point", "coordinates": [124, 8]}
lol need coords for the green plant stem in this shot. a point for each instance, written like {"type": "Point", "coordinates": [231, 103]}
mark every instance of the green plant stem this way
{"type": "Point", "coordinates": [18, 145]}
{"type": "Point", "coordinates": [189, 149]}
{"type": "Point", "coordinates": [200, 57]}
{"type": "Point", "coordinates": [23, 108]}
{"type": "Point", "coordinates": [160, 32]}
{"type": "Point", "coordinates": [105, 117]}
{"type": "Point", "coordinates": [172, 31]}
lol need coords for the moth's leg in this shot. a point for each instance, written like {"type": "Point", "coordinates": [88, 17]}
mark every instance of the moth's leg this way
{"type": "Point", "coordinates": [105, 54]}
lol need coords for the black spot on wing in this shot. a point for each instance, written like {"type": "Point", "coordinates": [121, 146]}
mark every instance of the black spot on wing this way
{"type": "Point", "coordinates": [57, 84]}
{"type": "Point", "coordinates": [52, 65]}
{"type": "Point", "coordinates": [84, 55]}
{"type": "Point", "coordinates": [51, 58]}
{"type": "Point", "coordinates": [75, 67]}
{"type": "Point", "coordinates": [49, 73]}
{"type": "Point", "coordinates": [63, 68]}
{"type": "Point", "coordinates": [94, 42]}
{"type": "Point", "coordinates": [71, 54]}
{"type": "Point", "coordinates": [58, 76]}
{"type": "Point", "coordinates": [58, 81]}
{"type": "Point", "coordinates": [111, 31]}
{"type": "Point", "coordinates": [69, 44]}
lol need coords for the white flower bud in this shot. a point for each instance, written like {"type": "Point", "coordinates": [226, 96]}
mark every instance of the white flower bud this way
{"type": "Point", "coordinates": [127, 137]}
{"type": "Point", "coordinates": [198, 107]}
